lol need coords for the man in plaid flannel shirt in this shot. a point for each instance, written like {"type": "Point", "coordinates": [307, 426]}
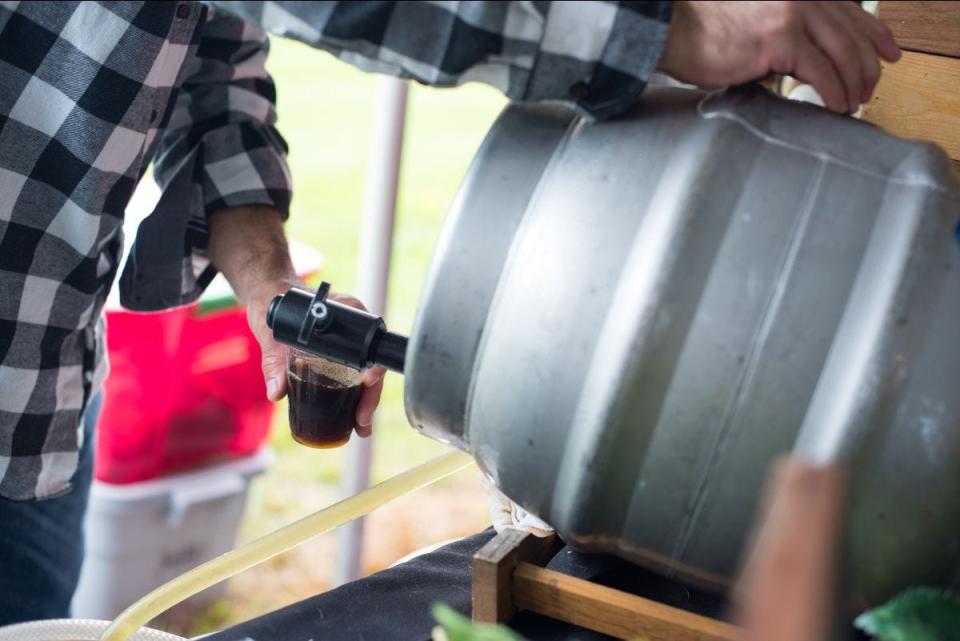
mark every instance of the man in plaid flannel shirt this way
{"type": "Point", "coordinates": [90, 93]}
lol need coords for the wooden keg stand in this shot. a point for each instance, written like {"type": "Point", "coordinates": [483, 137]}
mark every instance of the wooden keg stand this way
{"type": "Point", "coordinates": [508, 575]}
{"type": "Point", "coordinates": [785, 591]}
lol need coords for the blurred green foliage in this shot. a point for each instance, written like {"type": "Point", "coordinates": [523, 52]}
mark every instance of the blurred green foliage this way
{"type": "Point", "coordinates": [457, 627]}
{"type": "Point", "coordinates": [919, 614]}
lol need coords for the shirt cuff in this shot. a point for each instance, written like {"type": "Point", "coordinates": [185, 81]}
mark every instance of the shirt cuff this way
{"type": "Point", "coordinates": [605, 60]}
{"type": "Point", "coordinates": [248, 168]}
{"type": "Point", "coordinates": [238, 165]}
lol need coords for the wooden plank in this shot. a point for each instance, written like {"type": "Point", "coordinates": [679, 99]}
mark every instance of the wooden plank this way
{"type": "Point", "coordinates": [931, 27]}
{"type": "Point", "coordinates": [493, 567]}
{"type": "Point", "coordinates": [919, 97]}
{"type": "Point", "coordinates": [619, 614]}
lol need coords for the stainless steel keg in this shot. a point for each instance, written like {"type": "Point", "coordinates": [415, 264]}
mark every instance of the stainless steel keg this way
{"type": "Point", "coordinates": [627, 322]}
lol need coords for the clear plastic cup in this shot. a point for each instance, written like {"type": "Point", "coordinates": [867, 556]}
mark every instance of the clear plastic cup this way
{"type": "Point", "coordinates": [323, 399]}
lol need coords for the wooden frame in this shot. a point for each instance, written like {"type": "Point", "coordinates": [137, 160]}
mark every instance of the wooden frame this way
{"type": "Point", "coordinates": [930, 27]}
{"type": "Point", "coordinates": [508, 576]}
{"type": "Point", "coordinates": [919, 96]}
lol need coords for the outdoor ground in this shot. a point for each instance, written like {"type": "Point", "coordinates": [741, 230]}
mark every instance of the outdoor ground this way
{"type": "Point", "coordinates": [326, 111]}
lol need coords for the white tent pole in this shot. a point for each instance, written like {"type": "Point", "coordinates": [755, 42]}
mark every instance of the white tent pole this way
{"type": "Point", "coordinates": [376, 243]}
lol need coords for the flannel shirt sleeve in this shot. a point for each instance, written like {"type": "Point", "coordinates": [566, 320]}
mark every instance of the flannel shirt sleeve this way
{"type": "Point", "coordinates": [594, 57]}
{"type": "Point", "coordinates": [218, 149]}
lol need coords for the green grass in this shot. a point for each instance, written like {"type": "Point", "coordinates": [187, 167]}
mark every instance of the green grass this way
{"type": "Point", "coordinates": [325, 112]}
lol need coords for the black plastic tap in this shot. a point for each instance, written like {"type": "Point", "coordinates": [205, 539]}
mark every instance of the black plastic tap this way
{"type": "Point", "coordinates": [337, 332]}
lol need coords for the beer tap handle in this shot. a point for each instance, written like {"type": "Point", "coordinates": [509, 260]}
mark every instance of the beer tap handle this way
{"type": "Point", "coordinates": [319, 316]}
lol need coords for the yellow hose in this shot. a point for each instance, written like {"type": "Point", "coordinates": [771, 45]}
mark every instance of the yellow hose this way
{"type": "Point", "coordinates": [270, 545]}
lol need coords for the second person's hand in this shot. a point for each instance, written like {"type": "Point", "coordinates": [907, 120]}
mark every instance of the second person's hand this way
{"type": "Point", "coordinates": [834, 46]}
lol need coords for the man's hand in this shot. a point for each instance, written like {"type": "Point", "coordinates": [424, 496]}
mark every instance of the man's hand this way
{"type": "Point", "coordinates": [833, 46]}
{"type": "Point", "coordinates": [372, 380]}
{"type": "Point", "coordinates": [248, 245]}
{"type": "Point", "coordinates": [275, 354]}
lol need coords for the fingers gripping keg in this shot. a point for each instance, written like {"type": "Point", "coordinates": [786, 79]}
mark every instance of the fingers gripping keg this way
{"type": "Point", "coordinates": [337, 332]}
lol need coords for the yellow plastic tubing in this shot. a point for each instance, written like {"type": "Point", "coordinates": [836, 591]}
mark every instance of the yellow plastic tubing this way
{"type": "Point", "coordinates": [269, 546]}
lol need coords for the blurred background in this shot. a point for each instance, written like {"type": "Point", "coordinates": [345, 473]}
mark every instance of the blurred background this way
{"type": "Point", "coordinates": [326, 113]}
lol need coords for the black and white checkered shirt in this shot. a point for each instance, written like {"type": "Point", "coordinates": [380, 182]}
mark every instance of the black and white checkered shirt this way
{"type": "Point", "coordinates": [594, 57]}
{"type": "Point", "coordinates": [92, 92]}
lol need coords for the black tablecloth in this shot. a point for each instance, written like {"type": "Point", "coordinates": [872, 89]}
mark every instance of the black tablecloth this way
{"type": "Point", "coordinates": [395, 604]}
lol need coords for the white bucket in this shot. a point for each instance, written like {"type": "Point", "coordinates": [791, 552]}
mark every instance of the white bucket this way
{"type": "Point", "coordinates": [141, 535]}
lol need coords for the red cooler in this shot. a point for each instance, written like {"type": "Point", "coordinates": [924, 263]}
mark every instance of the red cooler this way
{"type": "Point", "coordinates": [185, 387]}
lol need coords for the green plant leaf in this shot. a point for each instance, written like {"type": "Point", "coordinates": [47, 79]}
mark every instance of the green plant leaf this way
{"type": "Point", "coordinates": [460, 628]}
{"type": "Point", "coordinates": [919, 614]}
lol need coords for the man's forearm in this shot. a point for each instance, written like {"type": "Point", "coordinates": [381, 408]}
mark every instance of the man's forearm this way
{"type": "Point", "coordinates": [248, 245]}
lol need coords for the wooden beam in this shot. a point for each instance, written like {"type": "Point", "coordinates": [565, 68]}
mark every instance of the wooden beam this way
{"type": "Point", "coordinates": [931, 27]}
{"type": "Point", "coordinates": [493, 567]}
{"type": "Point", "coordinates": [619, 614]}
{"type": "Point", "coordinates": [919, 97]}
